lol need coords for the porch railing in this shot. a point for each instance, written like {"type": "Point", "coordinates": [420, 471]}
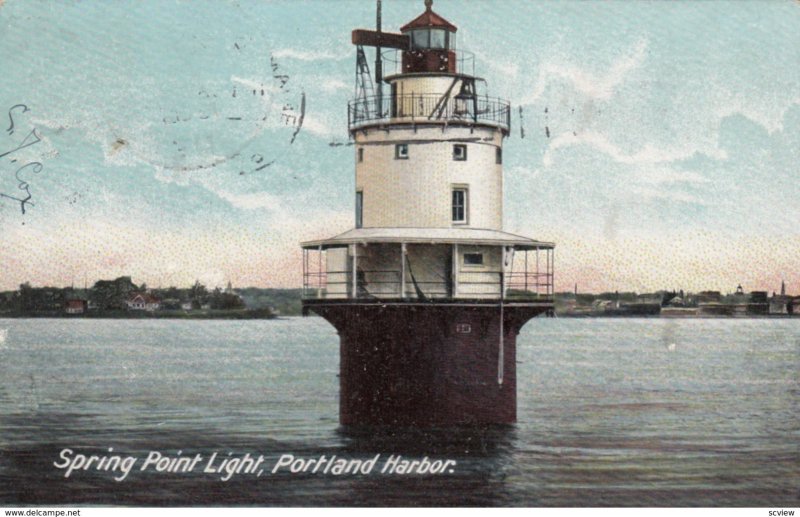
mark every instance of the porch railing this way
{"type": "Point", "coordinates": [386, 285]}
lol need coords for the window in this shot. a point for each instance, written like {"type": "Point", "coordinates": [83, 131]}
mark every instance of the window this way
{"type": "Point", "coordinates": [360, 154]}
{"type": "Point", "coordinates": [401, 152]}
{"type": "Point", "coordinates": [473, 259]}
{"type": "Point", "coordinates": [359, 209]}
{"type": "Point", "coordinates": [460, 205]}
{"type": "Point", "coordinates": [460, 152]}
{"type": "Point", "coordinates": [498, 155]}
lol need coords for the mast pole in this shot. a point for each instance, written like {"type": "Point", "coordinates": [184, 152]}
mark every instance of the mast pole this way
{"type": "Point", "coordinates": [378, 67]}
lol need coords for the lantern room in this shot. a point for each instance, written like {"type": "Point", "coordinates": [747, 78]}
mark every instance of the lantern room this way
{"type": "Point", "coordinates": [432, 43]}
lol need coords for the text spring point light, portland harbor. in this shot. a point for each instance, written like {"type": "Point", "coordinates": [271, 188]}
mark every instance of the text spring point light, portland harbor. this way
{"type": "Point", "coordinates": [427, 292]}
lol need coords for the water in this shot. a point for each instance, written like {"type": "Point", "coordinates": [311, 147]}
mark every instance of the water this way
{"type": "Point", "coordinates": [615, 412]}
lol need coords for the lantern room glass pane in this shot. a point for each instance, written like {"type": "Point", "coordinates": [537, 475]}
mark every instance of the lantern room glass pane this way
{"type": "Point", "coordinates": [420, 38]}
{"type": "Point", "coordinates": [438, 38]}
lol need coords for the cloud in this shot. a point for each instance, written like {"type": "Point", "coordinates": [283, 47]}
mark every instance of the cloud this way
{"type": "Point", "coordinates": [251, 200]}
{"type": "Point", "coordinates": [659, 175]}
{"type": "Point", "coordinates": [769, 115]}
{"type": "Point", "coordinates": [317, 127]}
{"type": "Point", "coordinates": [648, 154]}
{"type": "Point", "coordinates": [332, 85]}
{"type": "Point", "coordinates": [600, 87]}
{"type": "Point", "coordinates": [672, 195]}
{"type": "Point", "coordinates": [307, 55]}
{"type": "Point", "coordinates": [255, 84]}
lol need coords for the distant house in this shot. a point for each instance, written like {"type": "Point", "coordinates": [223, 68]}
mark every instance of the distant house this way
{"type": "Point", "coordinates": [142, 302]}
{"type": "Point", "coordinates": [676, 301]}
{"type": "Point", "coordinates": [602, 305]}
{"type": "Point", "coordinates": [715, 309]}
{"type": "Point", "coordinates": [778, 306]}
{"type": "Point", "coordinates": [704, 297]}
{"type": "Point", "coordinates": [75, 306]}
{"type": "Point", "coordinates": [759, 303]}
{"type": "Point", "coordinates": [187, 306]}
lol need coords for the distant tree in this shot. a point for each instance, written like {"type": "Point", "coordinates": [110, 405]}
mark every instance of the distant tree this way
{"type": "Point", "coordinates": [111, 294]}
{"type": "Point", "coordinates": [25, 300]}
{"type": "Point", "coordinates": [198, 290]}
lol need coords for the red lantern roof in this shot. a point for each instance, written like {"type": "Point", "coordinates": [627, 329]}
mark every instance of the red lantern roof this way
{"type": "Point", "coordinates": [428, 19]}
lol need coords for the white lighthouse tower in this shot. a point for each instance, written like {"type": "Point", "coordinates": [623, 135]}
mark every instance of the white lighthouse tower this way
{"type": "Point", "coordinates": [427, 292]}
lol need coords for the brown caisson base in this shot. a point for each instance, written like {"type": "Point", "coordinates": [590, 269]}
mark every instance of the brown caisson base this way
{"type": "Point", "coordinates": [427, 365]}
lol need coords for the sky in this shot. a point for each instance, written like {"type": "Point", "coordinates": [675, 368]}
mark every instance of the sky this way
{"type": "Point", "coordinates": [656, 143]}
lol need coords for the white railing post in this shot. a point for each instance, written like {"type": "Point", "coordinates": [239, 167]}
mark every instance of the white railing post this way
{"type": "Point", "coordinates": [354, 281]}
{"type": "Point", "coordinates": [305, 272]}
{"type": "Point", "coordinates": [319, 273]}
{"type": "Point", "coordinates": [526, 272]}
{"type": "Point", "coordinates": [402, 270]}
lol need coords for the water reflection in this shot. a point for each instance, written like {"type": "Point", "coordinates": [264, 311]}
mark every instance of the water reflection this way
{"type": "Point", "coordinates": [479, 441]}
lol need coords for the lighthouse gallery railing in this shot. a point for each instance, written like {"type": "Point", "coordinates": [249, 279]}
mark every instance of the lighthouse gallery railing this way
{"type": "Point", "coordinates": [422, 108]}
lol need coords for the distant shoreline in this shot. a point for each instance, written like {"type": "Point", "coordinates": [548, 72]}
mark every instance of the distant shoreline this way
{"type": "Point", "coordinates": [265, 314]}
{"type": "Point", "coordinates": [681, 316]}
{"type": "Point", "coordinates": [246, 314]}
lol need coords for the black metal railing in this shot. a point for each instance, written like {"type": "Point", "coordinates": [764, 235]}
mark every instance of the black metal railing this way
{"type": "Point", "coordinates": [422, 108]}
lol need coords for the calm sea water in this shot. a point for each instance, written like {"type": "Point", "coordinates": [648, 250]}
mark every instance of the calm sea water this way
{"type": "Point", "coordinates": [616, 412]}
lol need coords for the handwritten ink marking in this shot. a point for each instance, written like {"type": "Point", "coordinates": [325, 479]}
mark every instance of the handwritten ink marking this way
{"type": "Point", "coordinates": [24, 143]}
{"type": "Point", "coordinates": [546, 123]}
{"type": "Point", "coordinates": [302, 116]}
{"type": "Point", "coordinates": [10, 129]}
{"type": "Point", "coordinates": [118, 144]}
{"type": "Point", "coordinates": [73, 198]}
{"type": "Point", "coordinates": [24, 185]}
{"type": "Point", "coordinates": [265, 165]}
{"type": "Point", "coordinates": [290, 115]}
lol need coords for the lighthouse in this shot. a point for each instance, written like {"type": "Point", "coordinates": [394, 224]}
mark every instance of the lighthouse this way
{"type": "Point", "coordinates": [427, 292]}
